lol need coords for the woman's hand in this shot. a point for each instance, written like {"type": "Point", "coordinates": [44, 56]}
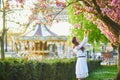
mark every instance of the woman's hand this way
{"type": "Point", "coordinates": [86, 33]}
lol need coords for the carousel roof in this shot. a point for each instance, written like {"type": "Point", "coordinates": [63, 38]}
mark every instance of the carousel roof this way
{"type": "Point", "coordinates": [41, 33]}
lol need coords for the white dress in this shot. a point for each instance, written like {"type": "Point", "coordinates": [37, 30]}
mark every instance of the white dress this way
{"type": "Point", "coordinates": [81, 69]}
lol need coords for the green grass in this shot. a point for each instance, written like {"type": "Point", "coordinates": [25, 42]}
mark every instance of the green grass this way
{"type": "Point", "coordinates": [103, 73]}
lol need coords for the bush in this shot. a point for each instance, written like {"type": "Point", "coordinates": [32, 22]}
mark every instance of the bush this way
{"type": "Point", "coordinates": [58, 69]}
{"type": "Point", "coordinates": [93, 64]}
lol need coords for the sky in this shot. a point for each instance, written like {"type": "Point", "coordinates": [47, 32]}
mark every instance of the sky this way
{"type": "Point", "coordinates": [61, 28]}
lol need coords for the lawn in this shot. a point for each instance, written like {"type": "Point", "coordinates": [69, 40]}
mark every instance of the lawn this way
{"type": "Point", "coordinates": [103, 73]}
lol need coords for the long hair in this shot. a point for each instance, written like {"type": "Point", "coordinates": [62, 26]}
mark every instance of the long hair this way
{"type": "Point", "coordinates": [74, 41]}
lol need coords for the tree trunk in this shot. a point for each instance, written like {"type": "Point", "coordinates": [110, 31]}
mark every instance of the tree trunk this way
{"type": "Point", "coordinates": [118, 75]}
{"type": "Point", "coordinates": [119, 57]}
{"type": "Point", "coordinates": [3, 33]}
{"type": "Point", "coordinates": [2, 48]}
{"type": "Point", "coordinates": [113, 27]}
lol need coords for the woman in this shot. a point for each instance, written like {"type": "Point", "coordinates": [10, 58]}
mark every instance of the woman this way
{"type": "Point", "coordinates": [81, 70]}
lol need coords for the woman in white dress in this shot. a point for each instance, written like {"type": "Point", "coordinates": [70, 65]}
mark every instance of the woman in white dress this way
{"type": "Point", "coordinates": [81, 69]}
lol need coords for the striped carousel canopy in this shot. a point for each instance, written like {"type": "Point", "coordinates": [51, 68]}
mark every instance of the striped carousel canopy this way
{"type": "Point", "coordinates": [41, 33]}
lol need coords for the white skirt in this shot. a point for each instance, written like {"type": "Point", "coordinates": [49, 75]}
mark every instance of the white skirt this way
{"type": "Point", "coordinates": [81, 68]}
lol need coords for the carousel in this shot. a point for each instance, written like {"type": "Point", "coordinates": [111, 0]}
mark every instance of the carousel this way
{"type": "Point", "coordinates": [41, 41]}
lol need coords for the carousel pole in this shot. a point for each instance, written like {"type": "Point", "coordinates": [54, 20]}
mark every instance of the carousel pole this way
{"type": "Point", "coordinates": [43, 49]}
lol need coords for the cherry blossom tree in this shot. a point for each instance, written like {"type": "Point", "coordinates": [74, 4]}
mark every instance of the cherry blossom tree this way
{"type": "Point", "coordinates": [103, 13]}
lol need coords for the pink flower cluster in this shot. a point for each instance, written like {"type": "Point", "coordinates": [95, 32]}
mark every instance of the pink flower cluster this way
{"type": "Point", "coordinates": [78, 9]}
{"type": "Point", "coordinates": [20, 1]}
{"type": "Point", "coordinates": [112, 10]}
{"type": "Point", "coordinates": [107, 32]}
{"type": "Point", "coordinates": [77, 25]}
{"type": "Point", "coordinates": [114, 14]}
{"type": "Point", "coordinates": [89, 9]}
{"type": "Point", "coordinates": [42, 3]}
{"type": "Point", "coordinates": [115, 2]}
{"type": "Point", "coordinates": [78, 12]}
{"type": "Point", "coordinates": [60, 4]}
{"type": "Point", "coordinates": [14, 4]}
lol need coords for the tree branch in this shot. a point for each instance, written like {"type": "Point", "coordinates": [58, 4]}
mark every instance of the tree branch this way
{"type": "Point", "coordinates": [87, 3]}
{"type": "Point", "coordinates": [64, 8]}
{"type": "Point", "coordinates": [111, 24]}
{"type": "Point", "coordinates": [14, 22]}
{"type": "Point", "coordinates": [97, 7]}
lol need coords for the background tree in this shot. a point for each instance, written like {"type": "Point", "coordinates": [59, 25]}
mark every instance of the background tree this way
{"type": "Point", "coordinates": [8, 10]}
{"type": "Point", "coordinates": [46, 11]}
